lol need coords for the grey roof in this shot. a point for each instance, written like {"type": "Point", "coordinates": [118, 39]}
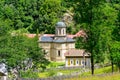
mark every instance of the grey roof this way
{"type": "Point", "coordinates": [60, 24]}
{"type": "Point", "coordinates": [59, 40]}
{"type": "Point", "coordinates": [46, 39]}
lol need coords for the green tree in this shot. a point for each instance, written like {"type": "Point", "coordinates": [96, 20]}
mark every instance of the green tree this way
{"type": "Point", "coordinates": [32, 15]}
{"type": "Point", "coordinates": [16, 48]}
{"type": "Point", "coordinates": [115, 53]}
{"type": "Point", "coordinates": [96, 18]}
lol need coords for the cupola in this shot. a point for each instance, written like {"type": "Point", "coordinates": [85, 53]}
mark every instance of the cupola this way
{"type": "Point", "coordinates": [60, 29]}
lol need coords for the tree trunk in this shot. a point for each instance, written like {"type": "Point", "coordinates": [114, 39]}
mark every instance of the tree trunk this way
{"type": "Point", "coordinates": [92, 64]}
{"type": "Point", "coordinates": [119, 66]}
{"type": "Point", "coordinates": [112, 66]}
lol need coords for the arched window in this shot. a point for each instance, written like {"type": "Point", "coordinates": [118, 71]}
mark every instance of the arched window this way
{"type": "Point", "coordinates": [71, 62]}
{"type": "Point", "coordinates": [60, 31]}
{"type": "Point", "coordinates": [77, 62]}
{"type": "Point", "coordinates": [58, 53]}
{"type": "Point", "coordinates": [63, 32]}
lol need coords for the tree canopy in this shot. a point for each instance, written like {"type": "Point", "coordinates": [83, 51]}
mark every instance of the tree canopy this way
{"type": "Point", "coordinates": [100, 19]}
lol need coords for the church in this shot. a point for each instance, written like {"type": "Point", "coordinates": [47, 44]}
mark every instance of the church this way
{"type": "Point", "coordinates": [55, 46]}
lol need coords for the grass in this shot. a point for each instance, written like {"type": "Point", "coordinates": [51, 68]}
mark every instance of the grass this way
{"type": "Point", "coordinates": [101, 71]}
{"type": "Point", "coordinates": [55, 64]}
{"type": "Point", "coordinates": [55, 72]}
{"type": "Point", "coordinates": [107, 77]}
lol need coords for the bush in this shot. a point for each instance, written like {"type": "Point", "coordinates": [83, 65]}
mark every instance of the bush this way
{"type": "Point", "coordinates": [28, 74]}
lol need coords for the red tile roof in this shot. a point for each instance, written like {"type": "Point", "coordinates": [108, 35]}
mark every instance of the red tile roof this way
{"type": "Point", "coordinates": [81, 33]}
{"type": "Point", "coordinates": [50, 35]}
{"type": "Point", "coordinates": [31, 35]}
{"type": "Point", "coordinates": [76, 52]}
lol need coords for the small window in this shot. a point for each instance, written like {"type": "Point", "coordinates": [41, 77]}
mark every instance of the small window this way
{"type": "Point", "coordinates": [58, 53]}
{"type": "Point", "coordinates": [71, 62]}
{"type": "Point", "coordinates": [63, 31]}
{"type": "Point", "coordinates": [77, 62]}
{"type": "Point", "coordinates": [82, 62]}
{"type": "Point", "coordinates": [60, 31]}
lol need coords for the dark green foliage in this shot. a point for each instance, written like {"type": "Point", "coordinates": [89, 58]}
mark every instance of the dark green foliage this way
{"type": "Point", "coordinates": [100, 20]}
{"type": "Point", "coordinates": [15, 49]}
{"type": "Point", "coordinates": [80, 43]}
{"type": "Point", "coordinates": [32, 15]}
{"type": "Point", "coordinates": [28, 74]}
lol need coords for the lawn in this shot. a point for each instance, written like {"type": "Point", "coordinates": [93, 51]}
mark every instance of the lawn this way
{"type": "Point", "coordinates": [99, 75]}
{"type": "Point", "coordinates": [115, 76]}
{"type": "Point", "coordinates": [100, 71]}
{"type": "Point", "coordinates": [56, 72]}
{"type": "Point", "coordinates": [55, 64]}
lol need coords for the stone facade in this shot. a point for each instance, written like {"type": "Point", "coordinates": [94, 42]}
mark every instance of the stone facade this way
{"type": "Point", "coordinates": [56, 46]}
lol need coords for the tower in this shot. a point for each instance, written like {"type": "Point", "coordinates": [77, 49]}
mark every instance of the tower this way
{"type": "Point", "coordinates": [60, 31]}
{"type": "Point", "coordinates": [57, 45]}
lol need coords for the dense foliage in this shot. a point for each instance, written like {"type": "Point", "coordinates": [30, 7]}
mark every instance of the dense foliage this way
{"type": "Point", "coordinates": [100, 19]}
{"type": "Point", "coordinates": [32, 15]}
{"type": "Point", "coordinates": [19, 51]}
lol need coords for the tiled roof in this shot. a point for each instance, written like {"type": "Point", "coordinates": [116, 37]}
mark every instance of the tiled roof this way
{"type": "Point", "coordinates": [51, 39]}
{"type": "Point", "coordinates": [76, 52]}
{"type": "Point", "coordinates": [59, 40]}
{"type": "Point", "coordinates": [50, 35]}
{"type": "Point", "coordinates": [46, 39]}
{"type": "Point", "coordinates": [71, 36]}
{"type": "Point", "coordinates": [31, 35]}
{"type": "Point", "coordinates": [81, 33]}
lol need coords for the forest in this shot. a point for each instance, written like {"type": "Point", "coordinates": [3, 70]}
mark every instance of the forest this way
{"type": "Point", "coordinates": [100, 19]}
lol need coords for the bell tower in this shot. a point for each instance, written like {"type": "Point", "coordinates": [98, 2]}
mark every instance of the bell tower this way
{"type": "Point", "coordinates": [60, 30]}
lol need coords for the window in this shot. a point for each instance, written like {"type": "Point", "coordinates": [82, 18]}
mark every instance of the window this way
{"type": "Point", "coordinates": [63, 32]}
{"type": "Point", "coordinates": [82, 62]}
{"type": "Point", "coordinates": [58, 53]}
{"type": "Point", "coordinates": [71, 62]}
{"type": "Point", "coordinates": [60, 31]}
{"type": "Point", "coordinates": [77, 62]}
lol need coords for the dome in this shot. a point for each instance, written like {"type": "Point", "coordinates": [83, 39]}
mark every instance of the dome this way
{"type": "Point", "coordinates": [60, 24]}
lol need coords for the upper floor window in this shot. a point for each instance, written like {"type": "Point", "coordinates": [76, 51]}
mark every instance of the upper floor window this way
{"type": "Point", "coordinates": [63, 32]}
{"type": "Point", "coordinates": [60, 31]}
{"type": "Point", "coordinates": [71, 62]}
{"type": "Point", "coordinates": [58, 53]}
